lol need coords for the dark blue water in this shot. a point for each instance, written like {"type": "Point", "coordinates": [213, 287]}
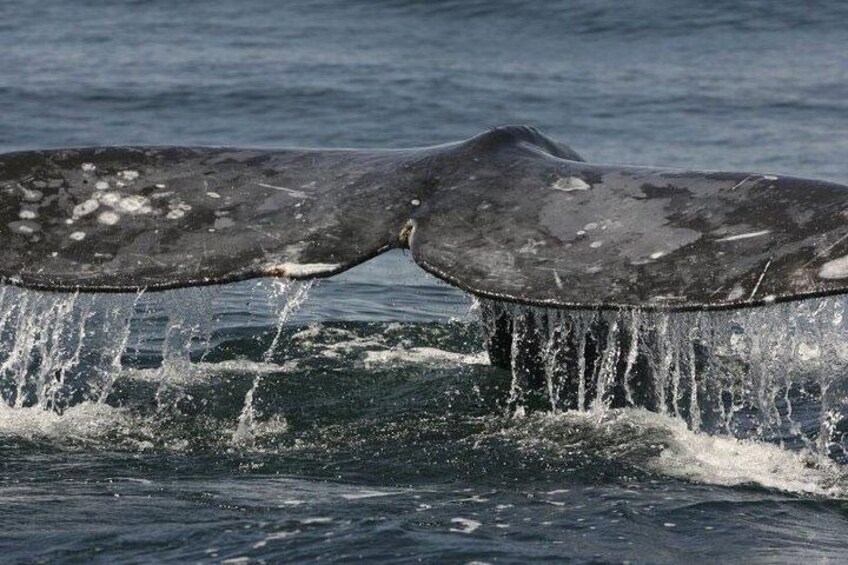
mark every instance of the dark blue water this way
{"type": "Point", "coordinates": [372, 427]}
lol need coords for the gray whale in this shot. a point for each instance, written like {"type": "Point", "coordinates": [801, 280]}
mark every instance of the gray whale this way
{"type": "Point", "coordinates": [509, 215]}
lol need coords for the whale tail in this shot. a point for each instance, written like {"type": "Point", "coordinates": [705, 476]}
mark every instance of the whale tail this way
{"type": "Point", "coordinates": [509, 215]}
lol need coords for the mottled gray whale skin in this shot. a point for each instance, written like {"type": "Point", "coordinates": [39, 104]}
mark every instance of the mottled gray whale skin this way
{"type": "Point", "coordinates": [508, 214]}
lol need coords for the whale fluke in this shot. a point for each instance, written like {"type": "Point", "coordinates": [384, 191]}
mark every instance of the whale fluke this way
{"type": "Point", "coordinates": [509, 214]}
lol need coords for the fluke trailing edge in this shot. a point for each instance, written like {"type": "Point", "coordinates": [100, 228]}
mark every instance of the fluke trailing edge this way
{"type": "Point", "coordinates": [508, 214]}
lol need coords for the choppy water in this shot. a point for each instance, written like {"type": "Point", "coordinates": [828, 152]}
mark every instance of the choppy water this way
{"type": "Point", "coordinates": [367, 424]}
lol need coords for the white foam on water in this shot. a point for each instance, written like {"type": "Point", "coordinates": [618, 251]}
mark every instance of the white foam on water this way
{"type": "Point", "coordinates": [424, 356]}
{"type": "Point", "coordinates": [316, 520]}
{"type": "Point", "coordinates": [465, 525]}
{"type": "Point", "coordinates": [334, 342]}
{"type": "Point", "coordinates": [236, 561]}
{"type": "Point", "coordinates": [663, 444]}
{"type": "Point", "coordinates": [728, 461]}
{"type": "Point", "coordinates": [363, 494]}
{"type": "Point", "coordinates": [202, 372]}
{"type": "Point", "coordinates": [82, 423]}
{"type": "Point", "coordinates": [344, 341]}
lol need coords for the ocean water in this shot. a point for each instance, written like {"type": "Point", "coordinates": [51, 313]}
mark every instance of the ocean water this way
{"type": "Point", "coordinates": [358, 418]}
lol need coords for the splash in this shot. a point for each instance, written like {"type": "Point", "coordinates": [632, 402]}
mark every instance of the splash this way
{"type": "Point", "coordinates": [749, 373]}
{"type": "Point", "coordinates": [664, 444]}
{"type": "Point", "coordinates": [47, 342]}
{"type": "Point", "coordinates": [59, 352]}
{"type": "Point", "coordinates": [290, 295]}
{"type": "Point", "coordinates": [62, 349]}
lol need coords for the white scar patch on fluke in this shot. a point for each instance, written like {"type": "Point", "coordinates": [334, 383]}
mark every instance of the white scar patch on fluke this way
{"type": "Point", "coordinates": [85, 208]}
{"type": "Point", "coordinates": [570, 184]}
{"type": "Point", "coordinates": [835, 269]}
{"type": "Point", "coordinates": [296, 270]}
{"type": "Point", "coordinates": [134, 205]}
{"type": "Point", "coordinates": [108, 218]}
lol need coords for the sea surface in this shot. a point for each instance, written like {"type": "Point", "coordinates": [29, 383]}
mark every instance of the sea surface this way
{"type": "Point", "coordinates": [357, 418]}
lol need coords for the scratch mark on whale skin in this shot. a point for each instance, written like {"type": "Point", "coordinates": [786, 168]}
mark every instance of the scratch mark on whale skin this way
{"type": "Point", "coordinates": [760, 281]}
{"type": "Point", "coordinates": [745, 235]}
{"type": "Point", "coordinates": [289, 191]}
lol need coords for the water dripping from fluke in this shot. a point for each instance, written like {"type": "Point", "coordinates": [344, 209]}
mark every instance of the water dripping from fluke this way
{"type": "Point", "coordinates": [290, 295]}
{"type": "Point", "coordinates": [775, 373]}
{"type": "Point", "coordinates": [62, 351]}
